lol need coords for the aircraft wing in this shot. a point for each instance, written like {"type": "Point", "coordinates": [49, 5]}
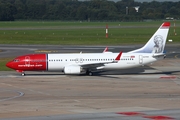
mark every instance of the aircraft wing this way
{"type": "Point", "coordinates": [95, 65]}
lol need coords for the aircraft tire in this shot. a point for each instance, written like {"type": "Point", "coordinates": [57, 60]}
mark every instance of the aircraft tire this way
{"type": "Point", "coordinates": [90, 74]}
{"type": "Point", "coordinates": [23, 74]}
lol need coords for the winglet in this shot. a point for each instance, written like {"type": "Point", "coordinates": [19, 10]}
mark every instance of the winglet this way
{"type": "Point", "coordinates": [105, 50]}
{"type": "Point", "coordinates": [119, 56]}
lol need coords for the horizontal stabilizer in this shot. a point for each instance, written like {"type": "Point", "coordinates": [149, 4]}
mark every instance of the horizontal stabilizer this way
{"type": "Point", "coordinates": [159, 55]}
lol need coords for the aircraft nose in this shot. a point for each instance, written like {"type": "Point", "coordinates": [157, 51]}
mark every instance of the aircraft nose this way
{"type": "Point", "coordinates": [9, 65]}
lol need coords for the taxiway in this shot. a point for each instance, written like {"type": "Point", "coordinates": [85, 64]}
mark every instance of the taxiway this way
{"type": "Point", "coordinates": [144, 93]}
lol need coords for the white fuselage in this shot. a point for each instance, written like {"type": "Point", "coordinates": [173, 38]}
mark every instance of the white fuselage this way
{"type": "Point", "coordinates": [58, 62]}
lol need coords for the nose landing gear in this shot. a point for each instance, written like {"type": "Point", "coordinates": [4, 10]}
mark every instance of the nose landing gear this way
{"type": "Point", "coordinates": [21, 71]}
{"type": "Point", "coordinates": [23, 74]}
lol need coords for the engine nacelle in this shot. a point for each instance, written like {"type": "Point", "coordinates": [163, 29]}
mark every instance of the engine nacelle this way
{"type": "Point", "coordinates": [72, 69]}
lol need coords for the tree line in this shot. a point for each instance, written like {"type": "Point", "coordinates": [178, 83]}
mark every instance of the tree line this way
{"type": "Point", "coordinates": [89, 10]}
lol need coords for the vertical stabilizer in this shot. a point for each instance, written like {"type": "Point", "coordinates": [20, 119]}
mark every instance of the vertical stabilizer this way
{"type": "Point", "coordinates": [157, 42]}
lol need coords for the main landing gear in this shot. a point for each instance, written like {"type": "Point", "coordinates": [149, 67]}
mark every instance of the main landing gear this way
{"type": "Point", "coordinates": [88, 72]}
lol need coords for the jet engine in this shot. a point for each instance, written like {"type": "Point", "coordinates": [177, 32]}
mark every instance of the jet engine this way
{"type": "Point", "coordinates": [72, 69]}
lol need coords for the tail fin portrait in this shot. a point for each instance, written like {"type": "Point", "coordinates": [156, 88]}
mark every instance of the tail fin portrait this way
{"type": "Point", "coordinates": [157, 42]}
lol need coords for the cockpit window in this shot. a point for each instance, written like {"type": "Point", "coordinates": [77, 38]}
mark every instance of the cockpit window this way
{"type": "Point", "coordinates": [16, 60]}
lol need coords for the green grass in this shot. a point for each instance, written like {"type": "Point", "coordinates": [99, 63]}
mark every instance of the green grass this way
{"type": "Point", "coordinates": [75, 23]}
{"type": "Point", "coordinates": [3, 62]}
{"type": "Point", "coordinates": [79, 33]}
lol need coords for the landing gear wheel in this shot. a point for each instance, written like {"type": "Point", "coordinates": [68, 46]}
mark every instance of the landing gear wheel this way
{"type": "Point", "coordinates": [23, 74]}
{"type": "Point", "coordinates": [89, 73]}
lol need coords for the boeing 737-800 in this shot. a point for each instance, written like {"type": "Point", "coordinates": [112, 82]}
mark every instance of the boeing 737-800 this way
{"type": "Point", "coordinates": [88, 62]}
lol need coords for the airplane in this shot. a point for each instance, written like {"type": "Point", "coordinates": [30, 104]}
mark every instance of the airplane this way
{"type": "Point", "coordinates": [87, 63]}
